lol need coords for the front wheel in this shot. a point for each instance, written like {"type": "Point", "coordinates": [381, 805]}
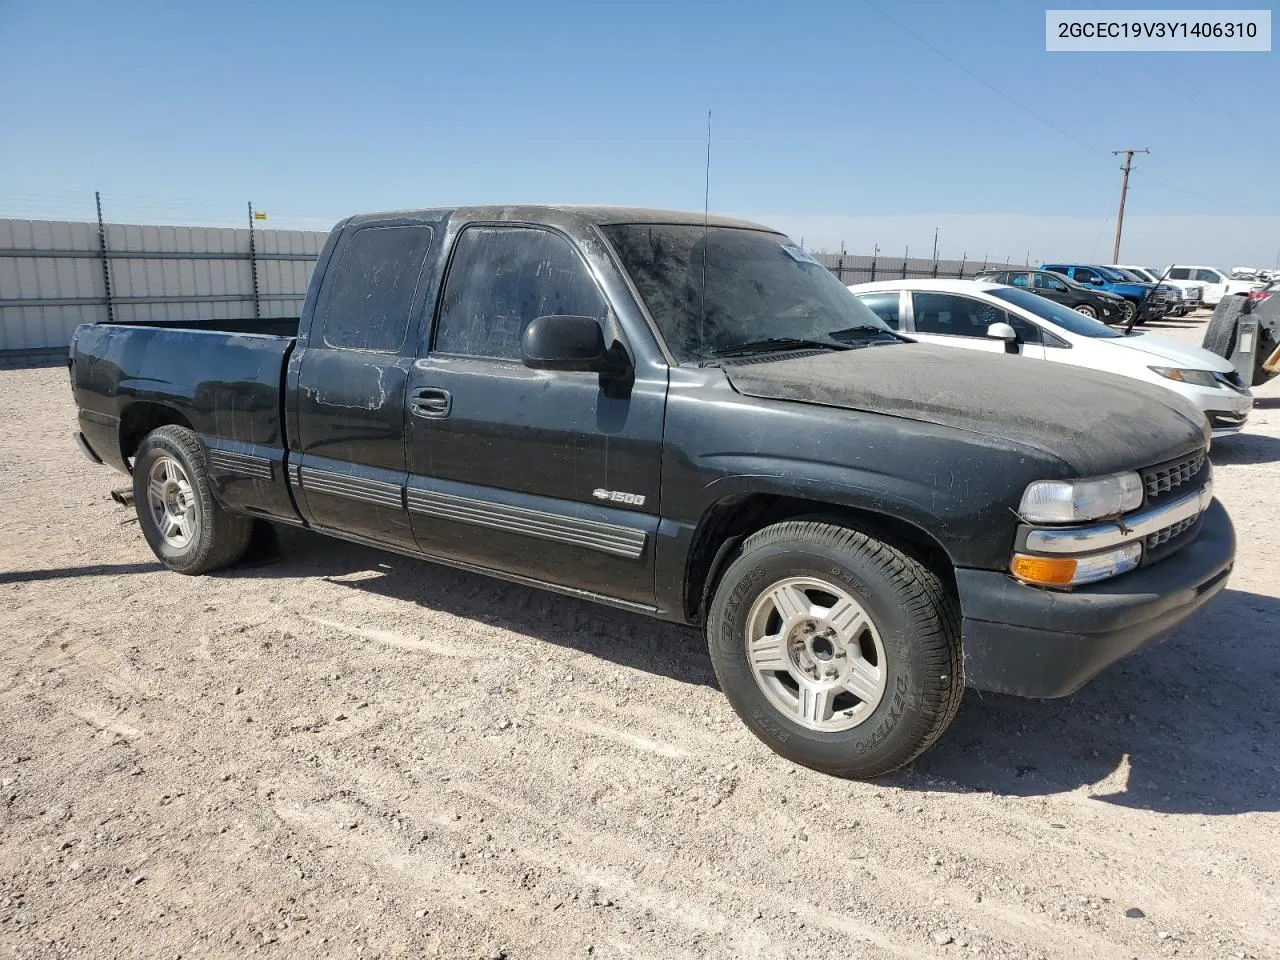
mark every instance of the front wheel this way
{"type": "Point", "coordinates": [1087, 311]}
{"type": "Point", "coordinates": [185, 526]}
{"type": "Point", "coordinates": [1127, 310]}
{"type": "Point", "coordinates": [839, 651]}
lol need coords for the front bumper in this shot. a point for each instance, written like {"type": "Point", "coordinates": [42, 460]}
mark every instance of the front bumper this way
{"type": "Point", "coordinates": [1033, 642]}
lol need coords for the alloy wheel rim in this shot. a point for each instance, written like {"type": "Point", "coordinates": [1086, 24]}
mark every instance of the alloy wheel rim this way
{"type": "Point", "coordinates": [816, 654]}
{"type": "Point", "coordinates": [172, 502]}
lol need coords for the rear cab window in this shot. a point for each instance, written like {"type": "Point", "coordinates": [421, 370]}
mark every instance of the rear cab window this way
{"type": "Point", "coordinates": [370, 292]}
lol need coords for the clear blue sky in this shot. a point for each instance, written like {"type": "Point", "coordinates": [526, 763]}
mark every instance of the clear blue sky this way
{"type": "Point", "coordinates": [824, 114]}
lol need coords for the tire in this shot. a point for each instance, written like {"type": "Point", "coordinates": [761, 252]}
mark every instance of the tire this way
{"type": "Point", "coordinates": [1220, 334]}
{"type": "Point", "coordinates": [186, 528]}
{"type": "Point", "coordinates": [1127, 310]}
{"type": "Point", "coordinates": [892, 682]}
{"type": "Point", "coordinates": [1085, 310]}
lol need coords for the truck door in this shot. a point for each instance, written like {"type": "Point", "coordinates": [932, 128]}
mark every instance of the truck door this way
{"type": "Point", "coordinates": [348, 385]}
{"type": "Point", "coordinates": [551, 475]}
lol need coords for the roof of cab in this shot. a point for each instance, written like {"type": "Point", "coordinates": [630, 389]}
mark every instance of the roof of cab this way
{"type": "Point", "coordinates": [559, 214]}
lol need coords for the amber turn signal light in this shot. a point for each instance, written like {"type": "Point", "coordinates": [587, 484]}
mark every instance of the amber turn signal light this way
{"type": "Point", "coordinates": [1049, 571]}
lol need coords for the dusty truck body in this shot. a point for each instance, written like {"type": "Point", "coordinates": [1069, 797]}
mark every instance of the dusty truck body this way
{"type": "Point", "coordinates": [693, 421]}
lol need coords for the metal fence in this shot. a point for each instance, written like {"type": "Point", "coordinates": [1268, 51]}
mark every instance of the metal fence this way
{"type": "Point", "coordinates": [852, 268]}
{"type": "Point", "coordinates": [55, 275]}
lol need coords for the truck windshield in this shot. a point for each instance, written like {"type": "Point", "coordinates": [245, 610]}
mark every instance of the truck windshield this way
{"type": "Point", "coordinates": [1055, 313]}
{"type": "Point", "coordinates": [1113, 275]}
{"type": "Point", "coordinates": [720, 290]}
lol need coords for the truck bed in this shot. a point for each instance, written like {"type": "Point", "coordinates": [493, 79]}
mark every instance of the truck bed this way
{"type": "Point", "coordinates": [221, 378]}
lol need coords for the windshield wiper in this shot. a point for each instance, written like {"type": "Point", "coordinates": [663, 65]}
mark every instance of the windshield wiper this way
{"type": "Point", "coordinates": [771, 344]}
{"type": "Point", "coordinates": [863, 331]}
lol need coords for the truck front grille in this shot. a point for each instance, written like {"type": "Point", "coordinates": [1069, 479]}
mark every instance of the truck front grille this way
{"type": "Point", "coordinates": [1168, 477]}
{"type": "Point", "coordinates": [1161, 537]}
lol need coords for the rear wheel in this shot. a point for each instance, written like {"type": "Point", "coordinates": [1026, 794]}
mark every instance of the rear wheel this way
{"type": "Point", "coordinates": [1087, 311]}
{"type": "Point", "coordinates": [839, 651]}
{"type": "Point", "coordinates": [184, 525]}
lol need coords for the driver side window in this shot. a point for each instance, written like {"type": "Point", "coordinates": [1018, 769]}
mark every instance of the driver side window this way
{"type": "Point", "coordinates": [500, 279]}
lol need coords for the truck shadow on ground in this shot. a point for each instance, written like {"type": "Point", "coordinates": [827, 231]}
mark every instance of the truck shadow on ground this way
{"type": "Point", "coordinates": [1244, 449]}
{"type": "Point", "coordinates": [1188, 726]}
{"type": "Point", "coordinates": [627, 639]}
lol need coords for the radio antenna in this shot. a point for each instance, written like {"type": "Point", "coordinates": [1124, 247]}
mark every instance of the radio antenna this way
{"type": "Point", "coordinates": [706, 216]}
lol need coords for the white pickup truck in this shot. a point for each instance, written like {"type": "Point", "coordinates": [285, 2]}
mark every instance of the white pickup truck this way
{"type": "Point", "coordinates": [1183, 298]}
{"type": "Point", "coordinates": [1217, 283]}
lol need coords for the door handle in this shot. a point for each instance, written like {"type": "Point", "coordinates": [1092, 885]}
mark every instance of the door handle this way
{"type": "Point", "coordinates": [431, 402]}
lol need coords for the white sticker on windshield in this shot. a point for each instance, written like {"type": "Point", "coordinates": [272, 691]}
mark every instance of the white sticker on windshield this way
{"type": "Point", "coordinates": [798, 255]}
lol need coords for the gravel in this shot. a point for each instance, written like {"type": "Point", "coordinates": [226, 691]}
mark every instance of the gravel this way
{"type": "Point", "coordinates": [440, 763]}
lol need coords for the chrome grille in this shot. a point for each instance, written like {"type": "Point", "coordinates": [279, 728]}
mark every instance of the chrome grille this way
{"type": "Point", "coordinates": [1169, 476]}
{"type": "Point", "coordinates": [1161, 537]}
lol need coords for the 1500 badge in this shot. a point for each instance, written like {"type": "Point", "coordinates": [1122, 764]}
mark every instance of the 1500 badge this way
{"type": "Point", "coordinates": [617, 496]}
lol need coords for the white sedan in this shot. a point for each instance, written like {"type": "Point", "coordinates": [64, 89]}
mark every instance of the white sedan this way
{"type": "Point", "coordinates": [977, 315]}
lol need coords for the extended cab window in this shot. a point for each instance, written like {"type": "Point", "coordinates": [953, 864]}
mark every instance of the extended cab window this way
{"type": "Point", "coordinates": [1180, 273]}
{"type": "Point", "coordinates": [372, 288]}
{"type": "Point", "coordinates": [955, 316]}
{"type": "Point", "coordinates": [501, 278]}
{"type": "Point", "coordinates": [886, 306]}
{"type": "Point", "coordinates": [1209, 276]}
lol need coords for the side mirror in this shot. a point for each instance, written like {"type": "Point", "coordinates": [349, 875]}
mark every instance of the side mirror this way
{"type": "Point", "coordinates": [570, 343]}
{"type": "Point", "coordinates": [1096, 281]}
{"type": "Point", "coordinates": [1002, 331]}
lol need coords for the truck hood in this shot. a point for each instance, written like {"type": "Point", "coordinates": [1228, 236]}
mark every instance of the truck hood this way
{"type": "Point", "coordinates": [1095, 423]}
{"type": "Point", "coordinates": [1162, 348]}
{"type": "Point", "coordinates": [1128, 289]}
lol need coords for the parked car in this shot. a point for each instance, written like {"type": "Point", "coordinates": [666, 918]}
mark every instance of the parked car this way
{"type": "Point", "coordinates": [1088, 301]}
{"type": "Point", "coordinates": [691, 419]}
{"type": "Point", "coordinates": [1181, 300]}
{"type": "Point", "coordinates": [1138, 296]}
{"type": "Point", "coordinates": [1215, 282]}
{"type": "Point", "coordinates": [960, 313]}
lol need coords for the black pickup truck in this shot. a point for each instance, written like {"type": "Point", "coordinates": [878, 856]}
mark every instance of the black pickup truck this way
{"type": "Point", "coordinates": [688, 418]}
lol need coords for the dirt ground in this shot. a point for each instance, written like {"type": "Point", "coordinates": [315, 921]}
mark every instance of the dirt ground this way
{"type": "Point", "coordinates": [340, 753]}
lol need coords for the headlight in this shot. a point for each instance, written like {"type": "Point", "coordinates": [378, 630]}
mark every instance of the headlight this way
{"type": "Point", "coordinates": [1074, 571]}
{"type": "Point", "coordinates": [1200, 378]}
{"type": "Point", "coordinates": [1071, 501]}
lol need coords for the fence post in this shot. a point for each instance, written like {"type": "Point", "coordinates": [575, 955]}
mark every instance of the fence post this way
{"type": "Point", "coordinates": [904, 268]}
{"type": "Point", "coordinates": [106, 265]}
{"type": "Point", "coordinates": [873, 267]}
{"type": "Point", "coordinates": [963, 258]}
{"type": "Point", "coordinates": [840, 269]}
{"type": "Point", "coordinates": [253, 266]}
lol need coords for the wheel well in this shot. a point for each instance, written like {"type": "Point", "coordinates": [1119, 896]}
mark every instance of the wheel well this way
{"type": "Point", "coordinates": [729, 522]}
{"type": "Point", "coordinates": [141, 418]}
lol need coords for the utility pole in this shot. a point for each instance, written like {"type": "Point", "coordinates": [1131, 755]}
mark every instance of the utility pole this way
{"type": "Point", "coordinates": [1124, 191]}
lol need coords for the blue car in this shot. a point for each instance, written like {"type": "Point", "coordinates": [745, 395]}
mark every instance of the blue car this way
{"type": "Point", "coordinates": [1137, 296]}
